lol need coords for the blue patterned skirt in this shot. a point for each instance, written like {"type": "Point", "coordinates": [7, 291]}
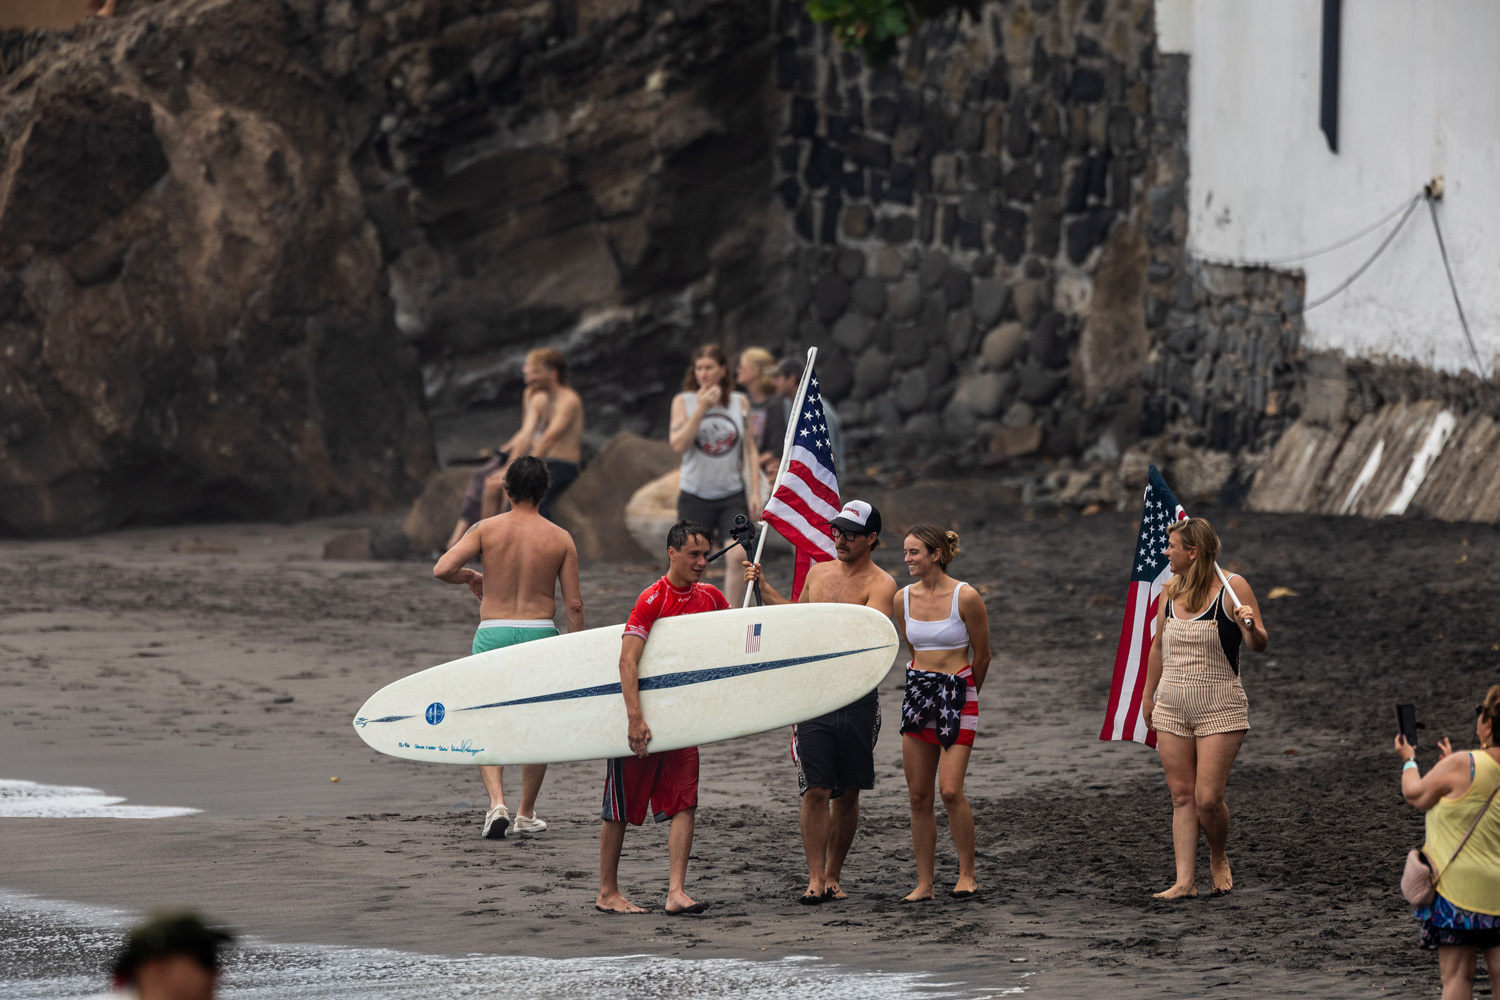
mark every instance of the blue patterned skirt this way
{"type": "Point", "coordinates": [1445, 924]}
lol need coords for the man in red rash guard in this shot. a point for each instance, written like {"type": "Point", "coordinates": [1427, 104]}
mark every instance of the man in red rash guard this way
{"type": "Point", "coordinates": [666, 781]}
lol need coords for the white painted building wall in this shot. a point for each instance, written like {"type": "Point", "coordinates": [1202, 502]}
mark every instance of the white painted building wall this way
{"type": "Point", "coordinates": [1419, 96]}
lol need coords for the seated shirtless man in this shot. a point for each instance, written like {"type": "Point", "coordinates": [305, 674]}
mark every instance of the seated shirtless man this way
{"type": "Point", "coordinates": [525, 557]}
{"type": "Point", "coordinates": [551, 429]}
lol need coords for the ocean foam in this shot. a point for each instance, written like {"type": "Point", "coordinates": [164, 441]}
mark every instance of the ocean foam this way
{"type": "Point", "coordinates": [51, 950]}
{"type": "Point", "coordinates": [29, 799]}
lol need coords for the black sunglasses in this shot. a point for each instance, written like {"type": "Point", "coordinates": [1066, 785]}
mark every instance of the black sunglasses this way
{"type": "Point", "coordinates": [849, 536]}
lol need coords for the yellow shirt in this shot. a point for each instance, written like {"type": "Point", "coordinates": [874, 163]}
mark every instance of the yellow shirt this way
{"type": "Point", "coordinates": [1472, 881]}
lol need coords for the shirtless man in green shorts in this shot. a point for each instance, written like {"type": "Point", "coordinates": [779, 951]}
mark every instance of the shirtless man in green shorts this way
{"type": "Point", "coordinates": [524, 556]}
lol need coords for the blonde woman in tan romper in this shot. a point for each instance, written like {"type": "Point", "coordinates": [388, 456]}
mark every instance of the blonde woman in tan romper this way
{"type": "Point", "coordinates": [1194, 699]}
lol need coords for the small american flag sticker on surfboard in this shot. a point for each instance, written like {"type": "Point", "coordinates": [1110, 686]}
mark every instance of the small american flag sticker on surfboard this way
{"type": "Point", "coordinates": [752, 638]}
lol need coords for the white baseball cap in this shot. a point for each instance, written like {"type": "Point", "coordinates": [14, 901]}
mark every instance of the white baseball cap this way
{"type": "Point", "coordinates": [857, 516]}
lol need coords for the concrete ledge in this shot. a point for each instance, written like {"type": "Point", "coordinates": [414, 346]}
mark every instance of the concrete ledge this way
{"type": "Point", "coordinates": [1422, 457]}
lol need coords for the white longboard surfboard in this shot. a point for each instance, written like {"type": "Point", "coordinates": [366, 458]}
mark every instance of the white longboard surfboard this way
{"type": "Point", "coordinates": [703, 678]}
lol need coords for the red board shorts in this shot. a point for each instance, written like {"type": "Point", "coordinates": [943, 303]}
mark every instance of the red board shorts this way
{"type": "Point", "coordinates": [667, 781]}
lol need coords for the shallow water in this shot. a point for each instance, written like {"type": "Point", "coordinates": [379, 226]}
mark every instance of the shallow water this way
{"type": "Point", "coordinates": [29, 799]}
{"type": "Point", "coordinates": [60, 950]}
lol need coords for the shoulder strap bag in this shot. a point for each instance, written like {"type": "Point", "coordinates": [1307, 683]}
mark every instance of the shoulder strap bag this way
{"type": "Point", "coordinates": [1418, 882]}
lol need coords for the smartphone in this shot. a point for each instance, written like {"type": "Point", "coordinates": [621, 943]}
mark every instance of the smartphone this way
{"type": "Point", "coordinates": [1406, 719]}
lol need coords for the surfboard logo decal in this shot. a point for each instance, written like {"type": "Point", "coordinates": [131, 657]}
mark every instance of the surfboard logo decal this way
{"type": "Point", "coordinates": [680, 679]}
{"type": "Point", "coordinates": [752, 638]}
{"type": "Point", "coordinates": [362, 722]}
{"type": "Point", "coordinates": [435, 713]}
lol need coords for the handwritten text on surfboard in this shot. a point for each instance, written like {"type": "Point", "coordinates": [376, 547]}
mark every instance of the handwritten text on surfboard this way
{"type": "Point", "coordinates": [467, 746]}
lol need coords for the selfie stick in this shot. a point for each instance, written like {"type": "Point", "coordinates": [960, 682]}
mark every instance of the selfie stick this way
{"type": "Point", "coordinates": [1232, 595]}
{"type": "Point", "coordinates": [786, 460]}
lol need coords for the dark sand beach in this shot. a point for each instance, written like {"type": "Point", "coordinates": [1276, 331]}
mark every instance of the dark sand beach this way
{"type": "Point", "coordinates": [147, 663]}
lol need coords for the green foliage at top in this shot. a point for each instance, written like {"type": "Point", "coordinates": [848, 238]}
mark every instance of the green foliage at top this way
{"type": "Point", "coordinates": [874, 27]}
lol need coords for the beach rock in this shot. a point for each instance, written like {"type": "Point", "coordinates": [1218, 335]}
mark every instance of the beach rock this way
{"type": "Point", "coordinates": [905, 299]}
{"type": "Point", "coordinates": [869, 296]}
{"type": "Point", "coordinates": [1038, 385]}
{"type": "Point", "coordinates": [650, 513]}
{"type": "Point", "coordinates": [911, 390]}
{"type": "Point", "coordinates": [990, 298]}
{"type": "Point", "coordinates": [1002, 344]}
{"type": "Point", "coordinates": [959, 418]}
{"type": "Point", "coordinates": [593, 509]}
{"type": "Point", "coordinates": [430, 521]}
{"type": "Point", "coordinates": [852, 332]}
{"type": "Point", "coordinates": [349, 546]}
{"type": "Point", "coordinates": [872, 373]}
{"type": "Point", "coordinates": [983, 394]}
{"type": "Point", "coordinates": [1019, 414]}
{"type": "Point", "coordinates": [1027, 296]}
{"type": "Point", "coordinates": [886, 264]}
{"type": "Point", "coordinates": [1012, 442]}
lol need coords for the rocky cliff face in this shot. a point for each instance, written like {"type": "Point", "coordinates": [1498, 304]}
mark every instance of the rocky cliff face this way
{"type": "Point", "coordinates": [593, 174]}
{"type": "Point", "coordinates": [234, 237]}
{"type": "Point", "coordinates": [191, 303]}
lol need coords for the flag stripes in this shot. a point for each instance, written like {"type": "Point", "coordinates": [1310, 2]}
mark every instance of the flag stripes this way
{"type": "Point", "coordinates": [1149, 574]}
{"type": "Point", "coordinates": [806, 494]}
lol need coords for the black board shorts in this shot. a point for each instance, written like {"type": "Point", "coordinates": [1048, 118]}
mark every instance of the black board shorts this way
{"type": "Point", "coordinates": [837, 750]}
{"type": "Point", "coordinates": [715, 515]}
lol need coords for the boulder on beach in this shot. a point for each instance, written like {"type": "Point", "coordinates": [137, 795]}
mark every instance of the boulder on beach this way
{"type": "Point", "coordinates": [432, 516]}
{"type": "Point", "coordinates": [651, 512]}
{"type": "Point", "coordinates": [593, 508]}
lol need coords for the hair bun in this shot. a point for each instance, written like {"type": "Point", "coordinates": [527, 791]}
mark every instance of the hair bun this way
{"type": "Point", "coordinates": [952, 539]}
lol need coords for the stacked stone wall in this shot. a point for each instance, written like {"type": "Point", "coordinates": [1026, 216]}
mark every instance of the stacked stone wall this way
{"type": "Point", "coordinates": [1224, 365]}
{"type": "Point", "coordinates": [951, 212]}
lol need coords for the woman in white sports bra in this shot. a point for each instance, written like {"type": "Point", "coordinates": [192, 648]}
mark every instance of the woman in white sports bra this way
{"type": "Point", "coordinates": [945, 624]}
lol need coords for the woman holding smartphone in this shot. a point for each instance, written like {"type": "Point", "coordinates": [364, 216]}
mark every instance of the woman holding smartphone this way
{"type": "Point", "coordinates": [947, 627]}
{"type": "Point", "coordinates": [1194, 699]}
{"type": "Point", "coordinates": [1464, 918]}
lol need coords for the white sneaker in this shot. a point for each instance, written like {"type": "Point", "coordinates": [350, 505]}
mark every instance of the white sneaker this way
{"type": "Point", "coordinates": [529, 824]}
{"type": "Point", "coordinates": [495, 823]}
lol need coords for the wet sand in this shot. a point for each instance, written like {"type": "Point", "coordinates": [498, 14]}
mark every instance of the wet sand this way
{"type": "Point", "coordinates": [147, 663]}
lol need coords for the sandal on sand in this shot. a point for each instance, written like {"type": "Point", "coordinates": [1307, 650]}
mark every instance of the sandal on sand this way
{"type": "Point", "coordinates": [810, 898]}
{"type": "Point", "coordinates": [695, 908]}
{"type": "Point", "coordinates": [495, 823]}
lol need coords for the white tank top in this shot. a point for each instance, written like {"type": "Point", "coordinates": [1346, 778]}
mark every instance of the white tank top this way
{"type": "Point", "coordinates": [949, 633]}
{"type": "Point", "coordinates": [711, 465]}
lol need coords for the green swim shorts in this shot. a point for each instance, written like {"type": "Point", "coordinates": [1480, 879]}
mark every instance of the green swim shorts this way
{"type": "Point", "coordinates": [495, 633]}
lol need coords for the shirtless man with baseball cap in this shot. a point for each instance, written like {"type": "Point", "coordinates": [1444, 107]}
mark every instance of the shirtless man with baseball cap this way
{"type": "Point", "coordinates": [835, 753]}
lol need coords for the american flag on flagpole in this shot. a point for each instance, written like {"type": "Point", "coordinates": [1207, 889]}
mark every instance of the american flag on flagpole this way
{"type": "Point", "coordinates": [806, 495]}
{"type": "Point", "coordinates": [1148, 574]}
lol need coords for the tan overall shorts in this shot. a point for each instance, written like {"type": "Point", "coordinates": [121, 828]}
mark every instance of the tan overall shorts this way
{"type": "Point", "coordinates": [1199, 693]}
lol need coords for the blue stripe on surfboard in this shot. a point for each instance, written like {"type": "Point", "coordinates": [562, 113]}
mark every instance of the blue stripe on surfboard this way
{"type": "Point", "coordinates": [680, 679]}
{"type": "Point", "coordinates": [658, 683]}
